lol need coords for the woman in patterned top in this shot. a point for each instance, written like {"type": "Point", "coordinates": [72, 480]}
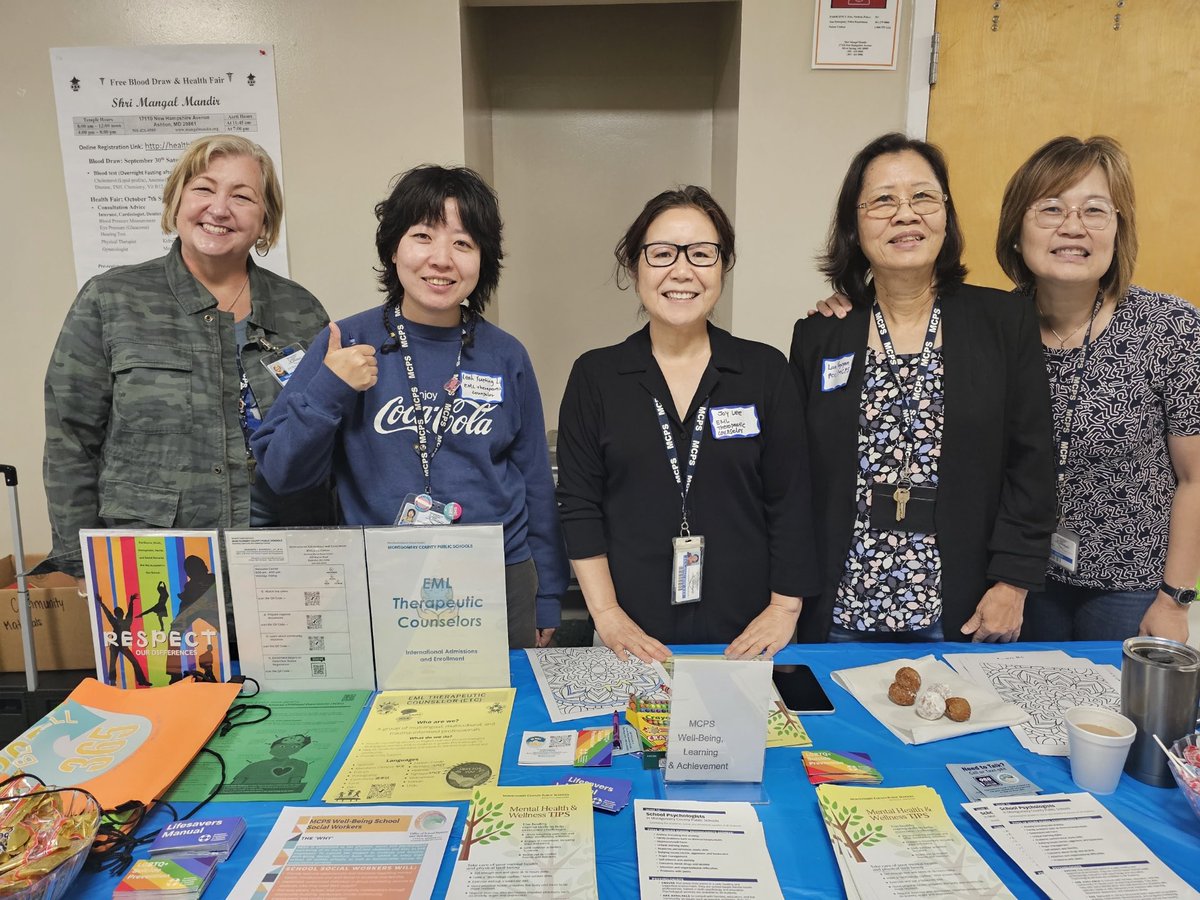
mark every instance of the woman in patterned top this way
{"type": "Point", "coordinates": [928, 419]}
{"type": "Point", "coordinates": [1124, 369]}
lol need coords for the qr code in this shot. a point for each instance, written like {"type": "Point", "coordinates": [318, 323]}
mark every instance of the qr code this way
{"type": "Point", "coordinates": [312, 598]}
{"type": "Point", "coordinates": [318, 668]}
{"type": "Point", "coordinates": [316, 642]}
{"type": "Point", "coordinates": [378, 791]}
{"type": "Point", "coordinates": [313, 622]}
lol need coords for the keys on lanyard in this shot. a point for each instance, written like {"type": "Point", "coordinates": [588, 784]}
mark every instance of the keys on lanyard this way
{"type": "Point", "coordinates": [910, 408]}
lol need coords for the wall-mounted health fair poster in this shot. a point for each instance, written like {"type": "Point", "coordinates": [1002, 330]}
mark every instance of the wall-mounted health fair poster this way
{"type": "Point", "coordinates": [125, 114]}
{"type": "Point", "coordinates": [157, 605]}
{"type": "Point", "coordinates": [439, 613]}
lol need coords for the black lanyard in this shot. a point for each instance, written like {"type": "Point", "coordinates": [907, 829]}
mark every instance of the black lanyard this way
{"type": "Point", "coordinates": [1068, 419]}
{"type": "Point", "coordinates": [421, 447]}
{"type": "Point", "coordinates": [684, 482]}
{"type": "Point", "coordinates": [911, 403]}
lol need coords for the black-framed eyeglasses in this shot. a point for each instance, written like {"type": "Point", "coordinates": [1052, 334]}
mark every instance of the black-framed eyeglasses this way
{"type": "Point", "coordinates": [922, 203]}
{"type": "Point", "coordinates": [661, 254]}
{"type": "Point", "coordinates": [1095, 214]}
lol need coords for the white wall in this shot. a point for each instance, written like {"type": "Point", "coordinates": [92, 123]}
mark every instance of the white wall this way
{"type": "Point", "coordinates": [592, 114]}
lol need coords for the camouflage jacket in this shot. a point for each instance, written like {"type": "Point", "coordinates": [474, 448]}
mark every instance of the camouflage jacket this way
{"type": "Point", "coordinates": [142, 422]}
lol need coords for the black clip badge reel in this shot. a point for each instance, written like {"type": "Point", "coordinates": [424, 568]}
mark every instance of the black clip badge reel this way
{"type": "Point", "coordinates": [915, 515]}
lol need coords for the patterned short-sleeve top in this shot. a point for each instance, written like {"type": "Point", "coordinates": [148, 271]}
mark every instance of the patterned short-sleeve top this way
{"type": "Point", "coordinates": [1141, 384]}
{"type": "Point", "coordinates": [893, 579]}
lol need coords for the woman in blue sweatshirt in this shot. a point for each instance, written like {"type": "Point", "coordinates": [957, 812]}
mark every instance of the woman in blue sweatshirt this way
{"type": "Point", "coordinates": [422, 397]}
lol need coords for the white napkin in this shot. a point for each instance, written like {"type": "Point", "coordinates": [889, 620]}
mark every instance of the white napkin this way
{"type": "Point", "coordinates": [869, 685]}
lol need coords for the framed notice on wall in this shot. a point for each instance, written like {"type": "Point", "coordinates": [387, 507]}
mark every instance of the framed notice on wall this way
{"type": "Point", "coordinates": [125, 114]}
{"type": "Point", "coordinates": [856, 34]}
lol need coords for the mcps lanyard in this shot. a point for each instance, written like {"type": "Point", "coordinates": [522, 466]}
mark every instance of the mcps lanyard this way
{"type": "Point", "coordinates": [911, 404]}
{"type": "Point", "coordinates": [421, 447]}
{"type": "Point", "coordinates": [687, 550]}
{"type": "Point", "coordinates": [685, 483]}
{"type": "Point", "coordinates": [1068, 420]}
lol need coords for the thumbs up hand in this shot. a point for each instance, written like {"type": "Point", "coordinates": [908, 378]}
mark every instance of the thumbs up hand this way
{"type": "Point", "coordinates": [355, 364]}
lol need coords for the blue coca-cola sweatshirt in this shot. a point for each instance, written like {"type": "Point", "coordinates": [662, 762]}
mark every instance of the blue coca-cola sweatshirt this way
{"type": "Point", "coordinates": [493, 458]}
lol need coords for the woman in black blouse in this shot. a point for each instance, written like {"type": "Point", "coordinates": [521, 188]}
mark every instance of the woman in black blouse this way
{"type": "Point", "coordinates": [928, 417]}
{"type": "Point", "coordinates": [683, 483]}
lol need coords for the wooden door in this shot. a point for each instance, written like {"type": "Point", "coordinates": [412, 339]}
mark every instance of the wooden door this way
{"type": "Point", "coordinates": [1015, 73]}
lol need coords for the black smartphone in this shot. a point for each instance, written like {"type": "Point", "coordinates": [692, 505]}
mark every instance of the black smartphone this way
{"type": "Point", "coordinates": [800, 690]}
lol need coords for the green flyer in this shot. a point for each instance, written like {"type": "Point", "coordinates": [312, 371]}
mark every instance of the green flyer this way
{"type": "Point", "coordinates": [282, 758]}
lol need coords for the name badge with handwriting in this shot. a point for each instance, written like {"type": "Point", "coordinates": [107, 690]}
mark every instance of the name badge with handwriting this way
{"type": "Point", "coordinates": [485, 388]}
{"type": "Point", "coordinates": [734, 422]}
{"type": "Point", "coordinates": [835, 373]}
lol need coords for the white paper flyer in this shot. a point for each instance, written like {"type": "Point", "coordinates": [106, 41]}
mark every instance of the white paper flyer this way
{"type": "Point", "coordinates": [124, 116]}
{"type": "Point", "coordinates": [300, 607]}
{"type": "Point", "coordinates": [439, 612]}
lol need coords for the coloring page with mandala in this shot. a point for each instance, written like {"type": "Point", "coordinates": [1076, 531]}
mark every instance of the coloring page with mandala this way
{"type": "Point", "coordinates": [1043, 691]}
{"type": "Point", "coordinates": [580, 682]}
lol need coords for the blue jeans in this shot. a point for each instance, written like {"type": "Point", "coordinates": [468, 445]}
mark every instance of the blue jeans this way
{"type": "Point", "coordinates": [1063, 612]}
{"type": "Point", "coordinates": [932, 634]}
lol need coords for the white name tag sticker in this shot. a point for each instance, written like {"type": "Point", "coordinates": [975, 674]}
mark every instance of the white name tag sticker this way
{"type": "Point", "coordinates": [478, 386]}
{"type": "Point", "coordinates": [733, 422]}
{"type": "Point", "coordinates": [835, 373]}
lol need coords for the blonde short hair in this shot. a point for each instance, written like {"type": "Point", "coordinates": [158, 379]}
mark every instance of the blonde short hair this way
{"type": "Point", "coordinates": [1055, 166]}
{"type": "Point", "coordinates": [195, 161]}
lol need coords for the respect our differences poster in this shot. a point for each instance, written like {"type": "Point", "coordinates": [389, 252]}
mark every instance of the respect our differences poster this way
{"type": "Point", "coordinates": [157, 606]}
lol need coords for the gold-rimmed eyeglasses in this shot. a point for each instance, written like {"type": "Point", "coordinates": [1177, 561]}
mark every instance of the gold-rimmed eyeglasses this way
{"type": "Point", "coordinates": [1094, 214]}
{"type": "Point", "coordinates": [922, 203]}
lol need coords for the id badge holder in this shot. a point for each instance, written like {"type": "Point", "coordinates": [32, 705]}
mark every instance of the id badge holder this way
{"type": "Point", "coordinates": [1064, 549]}
{"type": "Point", "coordinates": [282, 363]}
{"type": "Point", "coordinates": [687, 568]}
{"type": "Point", "coordinates": [422, 509]}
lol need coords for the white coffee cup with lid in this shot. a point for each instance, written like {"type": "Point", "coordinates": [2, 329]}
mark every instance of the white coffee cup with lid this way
{"type": "Point", "coordinates": [1099, 741]}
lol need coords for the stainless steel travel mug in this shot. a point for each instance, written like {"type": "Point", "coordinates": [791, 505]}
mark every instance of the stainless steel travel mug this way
{"type": "Point", "coordinates": [1160, 689]}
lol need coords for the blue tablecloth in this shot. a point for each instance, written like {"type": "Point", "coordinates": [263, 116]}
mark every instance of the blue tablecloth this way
{"type": "Point", "coordinates": [796, 836]}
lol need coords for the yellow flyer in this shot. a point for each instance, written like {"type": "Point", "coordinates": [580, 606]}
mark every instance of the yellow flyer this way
{"type": "Point", "coordinates": [527, 843]}
{"type": "Point", "coordinates": [899, 843]}
{"type": "Point", "coordinates": [426, 745]}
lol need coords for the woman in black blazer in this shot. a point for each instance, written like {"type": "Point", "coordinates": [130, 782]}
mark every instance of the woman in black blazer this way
{"type": "Point", "coordinates": [928, 419]}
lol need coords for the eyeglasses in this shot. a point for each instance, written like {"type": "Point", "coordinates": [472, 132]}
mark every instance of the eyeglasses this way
{"type": "Point", "coordinates": [1095, 214]}
{"type": "Point", "coordinates": [661, 254]}
{"type": "Point", "coordinates": [885, 206]}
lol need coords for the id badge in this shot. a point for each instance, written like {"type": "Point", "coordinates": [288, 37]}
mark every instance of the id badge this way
{"type": "Point", "coordinates": [1064, 549]}
{"type": "Point", "coordinates": [282, 363]}
{"type": "Point", "coordinates": [687, 568]}
{"type": "Point", "coordinates": [421, 509]}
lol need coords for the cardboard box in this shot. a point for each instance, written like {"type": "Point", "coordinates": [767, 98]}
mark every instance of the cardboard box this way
{"type": "Point", "coordinates": [62, 634]}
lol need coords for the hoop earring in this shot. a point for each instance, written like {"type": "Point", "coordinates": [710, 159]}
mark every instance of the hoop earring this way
{"type": "Point", "coordinates": [261, 247]}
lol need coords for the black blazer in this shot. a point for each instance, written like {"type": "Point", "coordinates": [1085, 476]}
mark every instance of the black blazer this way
{"type": "Point", "coordinates": [995, 502]}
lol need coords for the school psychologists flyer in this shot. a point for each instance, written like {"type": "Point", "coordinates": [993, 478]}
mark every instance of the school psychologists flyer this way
{"type": "Point", "coordinates": [369, 853]}
{"type": "Point", "coordinates": [425, 746]}
{"type": "Point", "coordinates": [438, 609]}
